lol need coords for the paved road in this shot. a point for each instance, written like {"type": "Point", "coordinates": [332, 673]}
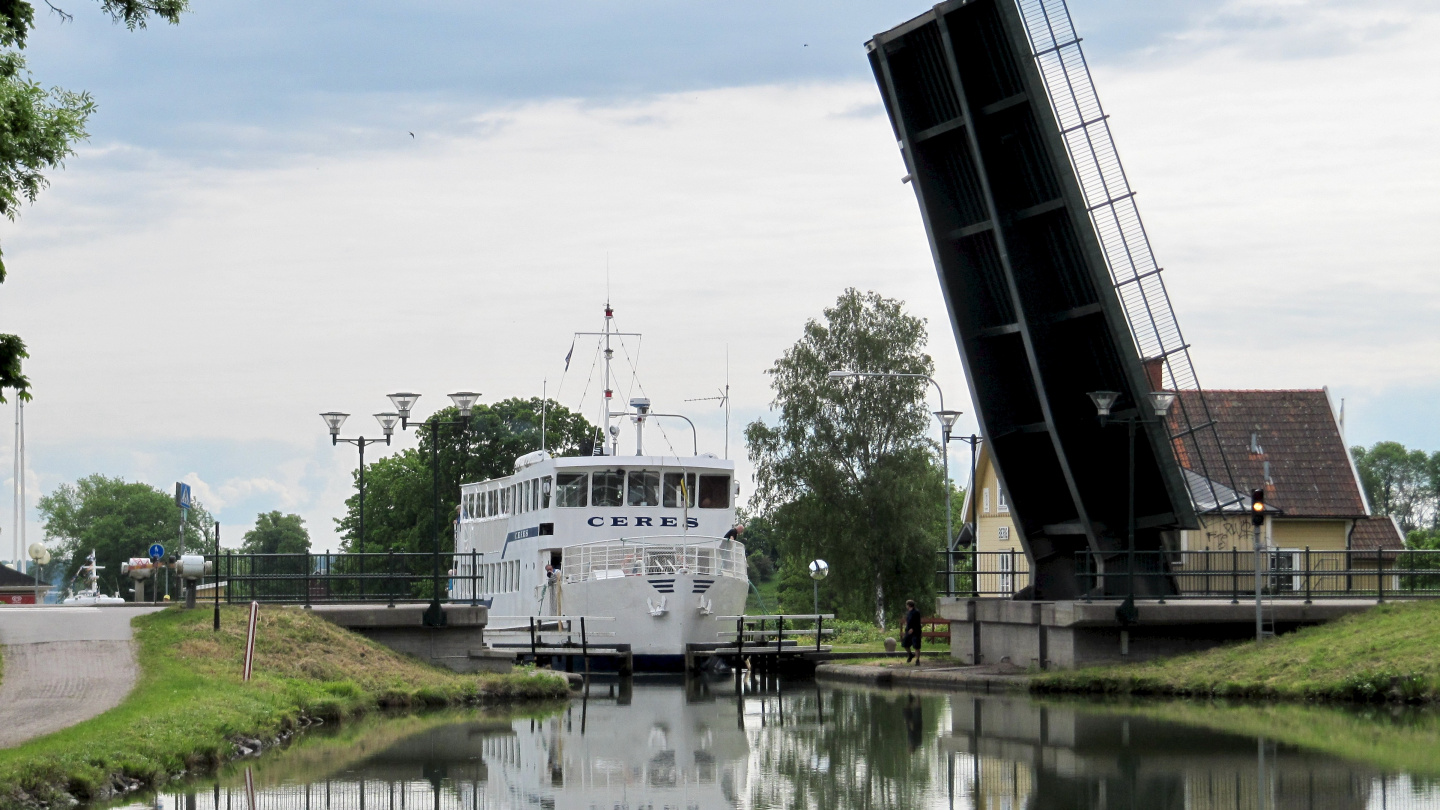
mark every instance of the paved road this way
{"type": "Point", "coordinates": [63, 665]}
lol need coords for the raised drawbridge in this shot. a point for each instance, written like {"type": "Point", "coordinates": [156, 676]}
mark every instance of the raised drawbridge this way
{"type": "Point", "coordinates": [1052, 287]}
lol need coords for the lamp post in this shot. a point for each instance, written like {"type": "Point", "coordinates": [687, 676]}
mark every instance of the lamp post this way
{"type": "Point", "coordinates": [1160, 402]}
{"type": "Point", "coordinates": [464, 401]}
{"type": "Point", "coordinates": [947, 420]}
{"type": "Point", "coordinates": [974, 442]}
{"type": "Point", "coordinates": [334, 419]}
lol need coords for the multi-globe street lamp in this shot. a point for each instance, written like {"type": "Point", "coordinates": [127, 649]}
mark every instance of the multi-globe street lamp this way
{"type": "Point", "coordinates": [1160, 402]}
{"type": "Point", "coordinates": [333, 420]}
{"type": "Point", "coordinates": [947, 420]}
{"type": "Point", "coordinates": [464, 402]}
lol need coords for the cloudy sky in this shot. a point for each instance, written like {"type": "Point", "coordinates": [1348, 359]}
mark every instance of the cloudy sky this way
{"type": "Point", "coordinates": [252, 235]}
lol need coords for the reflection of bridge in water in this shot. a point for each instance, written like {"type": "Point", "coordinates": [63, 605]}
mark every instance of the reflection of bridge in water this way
{"type": "Point", "coordinates": [1012, 753]}
{"type": "Point", "coordinates": [813, 745]}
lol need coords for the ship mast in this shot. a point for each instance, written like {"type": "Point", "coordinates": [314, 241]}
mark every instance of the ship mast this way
{"type": "Point", "coordinates": [606, 413]}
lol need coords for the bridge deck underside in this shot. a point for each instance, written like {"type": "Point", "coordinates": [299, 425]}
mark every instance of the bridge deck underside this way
{"type": "Point", "coordinates": [1036, 317]}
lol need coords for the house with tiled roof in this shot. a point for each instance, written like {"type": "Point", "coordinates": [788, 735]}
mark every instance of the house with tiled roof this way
{"type": "Point", "coordinates": [1287, 441]}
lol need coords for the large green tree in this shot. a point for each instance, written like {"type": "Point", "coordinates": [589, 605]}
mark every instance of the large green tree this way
{"type": "Point", "coordinates": [399, 488]}
{"type": "Point", "coordinates": [275, 533]}
{"type": "Point", "coordinates": [1401, 483]}
{"type": "Point", "coordinates": [117, 519]}
{"type": "Point", "coordinates": [847, 473]}
{"type": "Point", "coordinates": [39, 128]}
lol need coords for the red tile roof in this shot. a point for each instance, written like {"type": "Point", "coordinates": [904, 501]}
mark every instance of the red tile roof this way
{"type": "Point", "coordinates": [1378, 532]}
{"type": "Point", "coordinates": [1310, 474]}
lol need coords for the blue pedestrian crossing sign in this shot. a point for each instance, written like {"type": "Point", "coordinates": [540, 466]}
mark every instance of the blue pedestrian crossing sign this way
{"type": "Point", "coordinates": [182, 495]}
{"type": "Point", "coordinates": [157, 551]}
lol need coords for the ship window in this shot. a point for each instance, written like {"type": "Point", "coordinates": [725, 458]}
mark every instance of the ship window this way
{"type": "Point", "coordinates": [490, 503]}
{"type": "Point", "coordinates": [607, 488]}
{"type": "Point", "coordinates": [570, 489]}
{"type": "Point", "coordinates": [534, 494]}
{"type": "Point", "coordinates": [673, 488]}
{"type": "Point", "coordinates": [527, 492]}
{"type": "Point", "coordinates": [644, 488]}
{"type": "Point", "coordinates": [545, 485]}
{"type": "Point", "coordinates": [714, 492]}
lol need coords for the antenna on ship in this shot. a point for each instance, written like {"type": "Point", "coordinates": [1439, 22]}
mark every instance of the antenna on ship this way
{"type": "Point", "coordinates": [723, 397]}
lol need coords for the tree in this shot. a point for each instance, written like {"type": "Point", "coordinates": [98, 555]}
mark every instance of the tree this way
{"type": "Point", "coordinates": [117, 519]}
{"type": "Point", "coordinates": [1401, 483]}
{"type": "Point", "coordinates": [39, 129]}
{"type": "Point", "coordinates": [847, 474]}
{"type": "Point", "coordinates": [399, 488]}
{"type": "Point", "coordinates": [275, 533]}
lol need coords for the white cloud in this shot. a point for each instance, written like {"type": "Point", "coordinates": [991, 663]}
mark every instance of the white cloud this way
{"type": "Point", "coordinates": [1290, 192]}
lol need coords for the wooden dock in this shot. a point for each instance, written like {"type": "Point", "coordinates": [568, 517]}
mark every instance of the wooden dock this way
{"type": "Point", "coordinates": [767, 643]}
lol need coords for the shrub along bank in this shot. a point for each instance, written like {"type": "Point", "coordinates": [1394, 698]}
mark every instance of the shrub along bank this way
{"type": "Point", "coordinates": [190, 710]}
{"type": "Point", "coordinates": [1386, 654]}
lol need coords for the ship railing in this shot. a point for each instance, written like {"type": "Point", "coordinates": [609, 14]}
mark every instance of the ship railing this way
{"type": "Point", "coordinates": [660, 555]}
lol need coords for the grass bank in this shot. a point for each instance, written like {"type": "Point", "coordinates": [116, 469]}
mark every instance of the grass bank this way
{"type": "Point", "coordinates": [1386, 654]}
{"type": "Point", "coordinates": [190, 711]}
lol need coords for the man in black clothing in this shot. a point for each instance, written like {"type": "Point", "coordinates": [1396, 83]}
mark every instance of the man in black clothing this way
{"type": "Point", "coordinates": [911, 637]}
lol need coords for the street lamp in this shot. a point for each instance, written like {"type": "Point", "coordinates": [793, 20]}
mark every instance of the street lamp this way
{"type": "Point", "coordinates": [334, 419]}
{"type": "Point", "coordinates": [464, 402]}
{"type": "Point", "coordinates": [947, 420]}
{"type": "Point", "coordinates": [1159, 402]}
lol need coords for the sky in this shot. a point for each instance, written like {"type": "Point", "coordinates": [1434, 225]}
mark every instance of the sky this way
{"type": "Point", "coordinates": [289, 209]}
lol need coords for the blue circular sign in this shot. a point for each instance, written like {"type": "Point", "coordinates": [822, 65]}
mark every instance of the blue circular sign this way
{"type": "Point", "coordinates": [157, 551]}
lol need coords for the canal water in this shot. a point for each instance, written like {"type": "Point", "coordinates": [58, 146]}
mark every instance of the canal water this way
{"type": "Point", "coordinates": [668, 745]}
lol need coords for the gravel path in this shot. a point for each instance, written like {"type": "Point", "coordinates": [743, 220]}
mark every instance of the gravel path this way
{"type": "Point", "coordinates": [62, 666]}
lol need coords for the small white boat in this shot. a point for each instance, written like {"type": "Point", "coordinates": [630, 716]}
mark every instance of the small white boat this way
{"type": "Point", "coordinates": [91, 594]}
{"type": "Point", "coordinates": [638, 539]}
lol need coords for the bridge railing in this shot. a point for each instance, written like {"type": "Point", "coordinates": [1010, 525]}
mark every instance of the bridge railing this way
{"type": "Point", "coordinates": [1285, 573]}
{"type": "Point", "coordinates": [309, 578]}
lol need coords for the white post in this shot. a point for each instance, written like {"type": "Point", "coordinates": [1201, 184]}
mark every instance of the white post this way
{"type": "Point", "coordinates": [250, 640]}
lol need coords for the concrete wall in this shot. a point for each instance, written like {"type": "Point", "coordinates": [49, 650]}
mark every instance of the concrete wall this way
{"type": "Point", "coordinates": [1045, 635]}
{"type": "Point", "coordinates": [459, 645]}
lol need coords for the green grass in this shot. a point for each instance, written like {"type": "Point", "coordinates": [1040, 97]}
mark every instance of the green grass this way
{"type": "Point", "coordinates": [189, 704]}
{"type": "Point", "coordinates": [1386, 654]}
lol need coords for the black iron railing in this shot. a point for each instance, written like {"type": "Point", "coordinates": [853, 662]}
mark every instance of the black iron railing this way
{"type": "Point", "coordinates": [1285, 573]}
{"type": "Point", "coordinates": [389, 577]}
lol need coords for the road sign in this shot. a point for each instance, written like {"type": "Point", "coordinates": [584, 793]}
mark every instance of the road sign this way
{"type": "Point", "coordinates": [182, 495]}
{"type": "Point", "coordinates": [157, 551]}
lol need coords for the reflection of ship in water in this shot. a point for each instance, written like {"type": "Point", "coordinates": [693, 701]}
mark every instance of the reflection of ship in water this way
{"type": "Point", "coordinates": [1011, 753]}
{"type": "Point", "coordinates": [664, 746]}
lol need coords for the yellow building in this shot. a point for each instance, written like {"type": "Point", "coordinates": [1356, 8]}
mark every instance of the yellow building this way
{"type": "Point", "coordinates": [1287, 441]}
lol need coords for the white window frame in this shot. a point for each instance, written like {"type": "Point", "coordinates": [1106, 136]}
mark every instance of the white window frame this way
{"type": "Point", "coordinates": [1000, 504]}
{"type": "Point", "coordinates": [986, 501]}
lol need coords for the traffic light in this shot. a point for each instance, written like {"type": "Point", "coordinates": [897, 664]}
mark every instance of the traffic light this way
{"type": "Point", "coordinates": [1257, 507]}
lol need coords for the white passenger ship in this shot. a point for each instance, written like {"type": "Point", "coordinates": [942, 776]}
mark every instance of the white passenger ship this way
{"type": "Point", "coordinates": [639, 539]}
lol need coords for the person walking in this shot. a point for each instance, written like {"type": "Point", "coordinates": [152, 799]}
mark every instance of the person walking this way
{"type": "Point", "coordinates": [911, 636]}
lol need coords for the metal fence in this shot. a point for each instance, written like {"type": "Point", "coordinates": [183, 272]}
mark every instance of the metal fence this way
{"type": "Point", "coordinates": [1284, 573]}
{"type": "Point", "coordinates": [389, 577]}
{"type": "Point", "coordinates": [654, 557]}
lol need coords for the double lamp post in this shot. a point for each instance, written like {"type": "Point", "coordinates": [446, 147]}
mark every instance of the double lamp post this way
{"type": "Point", "coordinates": [404, 402]}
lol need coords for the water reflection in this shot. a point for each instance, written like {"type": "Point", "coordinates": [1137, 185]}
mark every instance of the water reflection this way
{"type": "Point", "coordinates": [766, 744]}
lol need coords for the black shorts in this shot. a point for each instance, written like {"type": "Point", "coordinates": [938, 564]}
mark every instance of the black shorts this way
{"type": "Point", "coordinates": [911, 639]}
